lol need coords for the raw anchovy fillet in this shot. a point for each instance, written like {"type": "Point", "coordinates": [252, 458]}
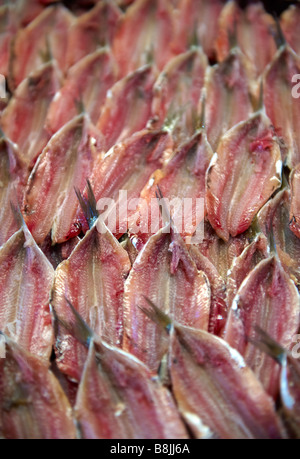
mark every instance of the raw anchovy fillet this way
{"type": "Point", "coordinates": [289, 379]}
{"type": "Point", "coordinates": [32, 403]}
{"type": "Point", "coordinates": [23, 121]}
{"type": "Point", "coordinates": [273, 220]}
{"type": "Point", "coordinates": [227, 96]}
{"type": "Point", "coordinates": [127, 107]}
{"type": "Point", "coordinates": [118, 398]}
{"type": "Point", "coordinates": [43, 38]}
{"type": "Point", "coordinates": [126, 168]}
{"type": "Point", "coordinates": [267, 298]}
{"type": "Point", "coordinates": [92, 30]}
{"type": "Point", "coordinates": [251, 29]}
{"type": "Point", "coordinates": [242, 176]}
{"type": "Point", "coordinates": [183, 179]}
{"type": "Point", "coordinates": [217, 394]}
{"type": "Point", "coordinates": [177, 93]}
{"type": "Point", "coordinates": [26, 282]}
{"type": "Point", "coordinates": [289, 22]}
{"type": "Point", "coordinates": [92, 279]}
{"type": "Point", "coordinates": [242, 265]}
{"type": "Point", "coordinates": [50, 203]}
{"type": "Point", "coordinates": [221, 254]}
{"type": "Point", "coordinates": [197, 20]}
{"type": "Point", "coordinates": [165, 273]}
{"type": "Point", "coordinates": [295, 201]}
{"type": "Point", "coordinates": [7, 30]}
{"type": "Point", "coordinates": [218, 311]}
{"type": "Point", "coordinates": [144, 35]}
{"type": "Point", "coordinates": [12, 182]}
{"type": "Point", "coordinates": [279, 91]}
{"type": "Point", "coordinates": [86, 84]}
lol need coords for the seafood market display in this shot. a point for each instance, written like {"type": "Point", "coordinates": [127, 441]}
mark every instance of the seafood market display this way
{"type": "Point", "coordinates": [149, 220]}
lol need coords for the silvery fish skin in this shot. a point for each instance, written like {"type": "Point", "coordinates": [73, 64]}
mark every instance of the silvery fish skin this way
{"type": "Point", "coordinates": [243, 175]}
{"type": "Point", "coordinates": [279, 91]}
{"type": "Point", "coordinates": [153, 22]}
{"type": "Point", "coordinates": [269, 299]}
{"type": "Point", "coordinates": [206, 374]}
{"type": "Point", "coordinates": [37, 43]}
{"type": "Point", "coordinates": [85, 85]}
{"type": "Point", "coordinates": [228, 95]}
{"type": "Point", "coordinates": [26, 282]}
{"type": "Point", "coordinates": [92, 30]}
{"type": "Point", "coordinates": [92, 279]}
{"type": "Point", "coordinates": [118, 398]}
{"type": "Point", "coordinates": [23, 120]}
{"type": "Point", "coordinates": [32, 402]}
{"type": "Point", "coordinates": [50, 203]}
{"type": "Point", "coordinates": [165, 273]}
{"type": "Point", "coordinates": [273, 220]}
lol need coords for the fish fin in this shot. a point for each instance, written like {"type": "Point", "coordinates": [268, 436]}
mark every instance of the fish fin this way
{"type": "Point", "coordinates": [265, 343]}
{"type": "Point", "coordinates": [88, 205]}
{"type": "Point", "coordinates": [157, 315]}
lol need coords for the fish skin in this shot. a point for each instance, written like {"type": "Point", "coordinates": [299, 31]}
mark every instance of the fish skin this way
{"type": "Point", "coordinates": [177, 94]}
{"type": "Point", "coordinates": [127, 107]}
{"type": "Point", "coordinates": [228, 95]}
{"type": "Point", "coordinates": [50, 203]}
{"type": "Point", "coordinates": [126, 167]}
{"type": "Point", "coordinates": [32, 403]}
{"type": "Point", "coordinates": [295, 204]}
{"type": "Point", "coordinates": [246, 164]}
{"type": "Point", "coordinates": [250, 257]}
{"type": "Point", "coordinates": [37, 43]}
{"type": "Point", "coordinates": [13, 178]}
{"type": "Point", "coordinates": [94, 29]}
{"type": "Point", "coordinates": [165, 273]}
{"type": "Point", "coordinates": [92, 279]}
{"type": "Point", "coordinates": [216, 392]}
{"type": "Point", "coordinates": [118, 398]}
{"type": "Point", "coordinates": [269, 299]}
{"type": "Point", "coordinates": [86, 83]}
{"type": "Point", "coordinates": [23, 120]}
{"type": "Point", "coordinates": [197, 21]}
{"type": "Point", "coordinates": [248, 29]}
{"type": "Point", "coordinates": [152, 21]}
{"type": "Point", "coordinates": [26, 282]}
{"type": "Point", "coordinates": [181, 177]}
{"type": "Point", "coordinates": [289, 21]}
{"type": "Point", "coordinates": [278, 92]}
{"type": "Point", "coordinates": [273, 219]}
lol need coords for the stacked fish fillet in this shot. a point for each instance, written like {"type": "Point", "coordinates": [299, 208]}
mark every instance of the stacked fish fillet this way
{"type": "Point", "coordinates": [127, 332]}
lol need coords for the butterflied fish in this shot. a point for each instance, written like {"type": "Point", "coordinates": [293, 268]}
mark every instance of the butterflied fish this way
{"type": "Point", "coordinates": [32, 402]}
{"type": "Point", "coordinates": [243, 175]}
